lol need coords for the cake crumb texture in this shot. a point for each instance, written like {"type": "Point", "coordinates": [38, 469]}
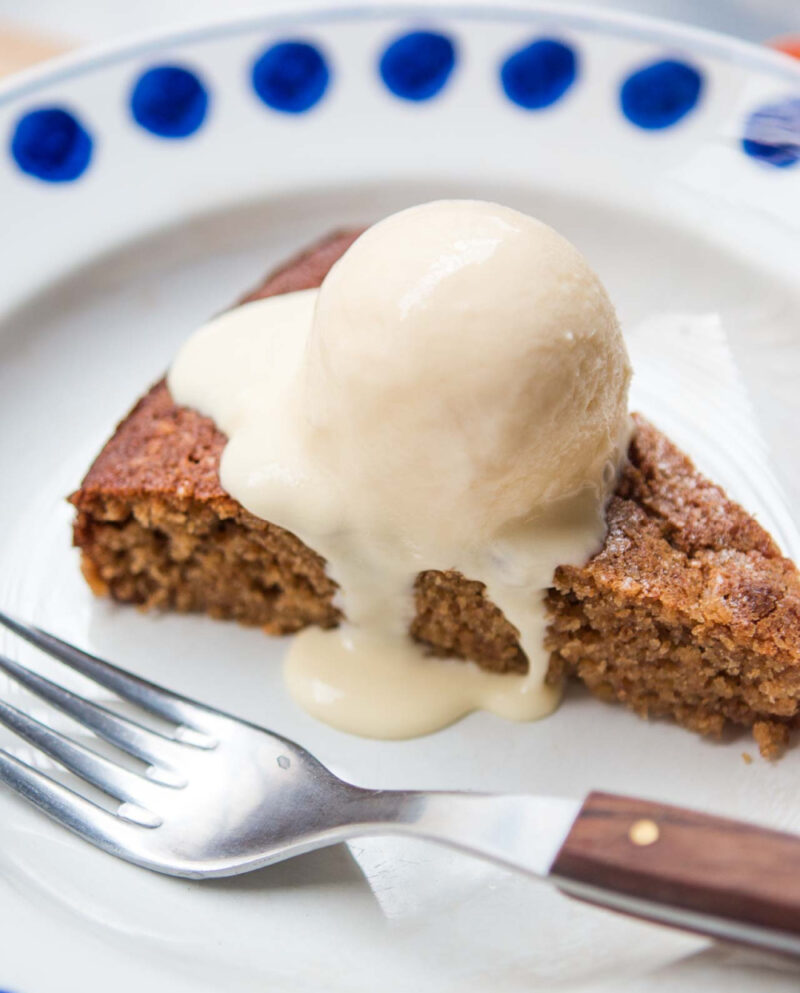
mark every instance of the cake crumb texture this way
{"type": "Point", "coordinates": [689, 610]}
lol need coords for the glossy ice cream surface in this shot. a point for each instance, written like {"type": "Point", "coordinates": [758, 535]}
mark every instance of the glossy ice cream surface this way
{"type": "Point", "coordinates": [453, 397]}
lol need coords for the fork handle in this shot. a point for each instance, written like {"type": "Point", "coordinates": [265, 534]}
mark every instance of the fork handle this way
{"type": "Point", "coordinates": [715, 876]}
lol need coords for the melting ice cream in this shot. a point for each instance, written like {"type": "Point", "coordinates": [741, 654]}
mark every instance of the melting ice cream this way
{"type": "Point", "coordinates": [454, 396]}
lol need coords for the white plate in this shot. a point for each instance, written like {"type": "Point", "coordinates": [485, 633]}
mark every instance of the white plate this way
{"type": "Point", "coordinates": [103, 276]}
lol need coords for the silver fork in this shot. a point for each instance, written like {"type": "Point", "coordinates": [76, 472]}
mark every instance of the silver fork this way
{"type": "Point", "coordinates": [219, 796]}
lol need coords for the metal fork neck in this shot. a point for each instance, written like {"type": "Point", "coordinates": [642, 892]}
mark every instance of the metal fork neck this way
{"type": "Point", "coordinates": [519, 832]}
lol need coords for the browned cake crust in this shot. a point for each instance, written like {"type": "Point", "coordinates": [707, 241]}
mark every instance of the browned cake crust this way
{"type": "Point", "coordinates": [688, 610]}
{"type": "Point", "coordinates": [307, 269]}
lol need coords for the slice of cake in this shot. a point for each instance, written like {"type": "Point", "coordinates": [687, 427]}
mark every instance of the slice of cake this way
{"type": "Point", "coordinates": [688, 610]}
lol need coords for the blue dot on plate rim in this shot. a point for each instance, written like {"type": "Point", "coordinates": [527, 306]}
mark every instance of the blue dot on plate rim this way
{"type": "Point", "coordinates": [169, 101]}
{"type": "Point", "coordinates": [659, 95]}
{"type": "Point", "coordinates": [537, 75]}
{"type": "Point", "coordinates": [417, 65]}
{"type": "Point", "coordinates": [291, 76]}
{"type": "Point", "coordinates": [772, 133]}
{"type": "Point", "coordinates": [51, 144]}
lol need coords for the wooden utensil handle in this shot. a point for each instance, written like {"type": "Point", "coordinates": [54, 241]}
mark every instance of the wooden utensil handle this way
{"type": "Point", "coordinates": [706, 874]}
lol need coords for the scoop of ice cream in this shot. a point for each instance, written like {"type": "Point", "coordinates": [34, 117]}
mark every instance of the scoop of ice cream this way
{"type": "Point", "coordinates": [454, 397]}
{"type": "Point", "coordinates": [465, 367]}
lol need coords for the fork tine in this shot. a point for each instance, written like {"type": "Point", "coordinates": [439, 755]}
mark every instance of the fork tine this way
{"type": "Point", "coordinates": [101, 772]}
{"type": "Point", "coordinates": [130, 737]}
{"type": "Point", "coordinates": [65, 806]}
{"type": "Point", "coordinates": [147, 695]}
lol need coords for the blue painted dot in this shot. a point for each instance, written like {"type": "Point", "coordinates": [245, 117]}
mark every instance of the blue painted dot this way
{"type": "Point", "coordinates": [659, 95]}
{"type": "Point", "coordinates": [416, 66]}
{"type": "Point", "coordinates": [772, 134]}
{"type": "Point", "coordinates": [291, 76]}
{"type": "Point", "coordinates": [52, 145]}
{"type": "Point", "coordinates": [539, 74]}
{"type": "Point", "coordinates": [169, 101]}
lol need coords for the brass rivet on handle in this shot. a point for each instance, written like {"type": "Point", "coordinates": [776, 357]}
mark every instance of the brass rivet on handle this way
{"type": "Point", "coordinates": [644, 832]}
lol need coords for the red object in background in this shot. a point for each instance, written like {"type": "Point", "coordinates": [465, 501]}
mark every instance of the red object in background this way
{"type": "Point", "coordinates": [789, 43]}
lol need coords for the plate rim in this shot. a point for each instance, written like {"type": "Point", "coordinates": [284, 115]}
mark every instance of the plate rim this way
{"type": "Point", "coordinates": [749, 55]}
